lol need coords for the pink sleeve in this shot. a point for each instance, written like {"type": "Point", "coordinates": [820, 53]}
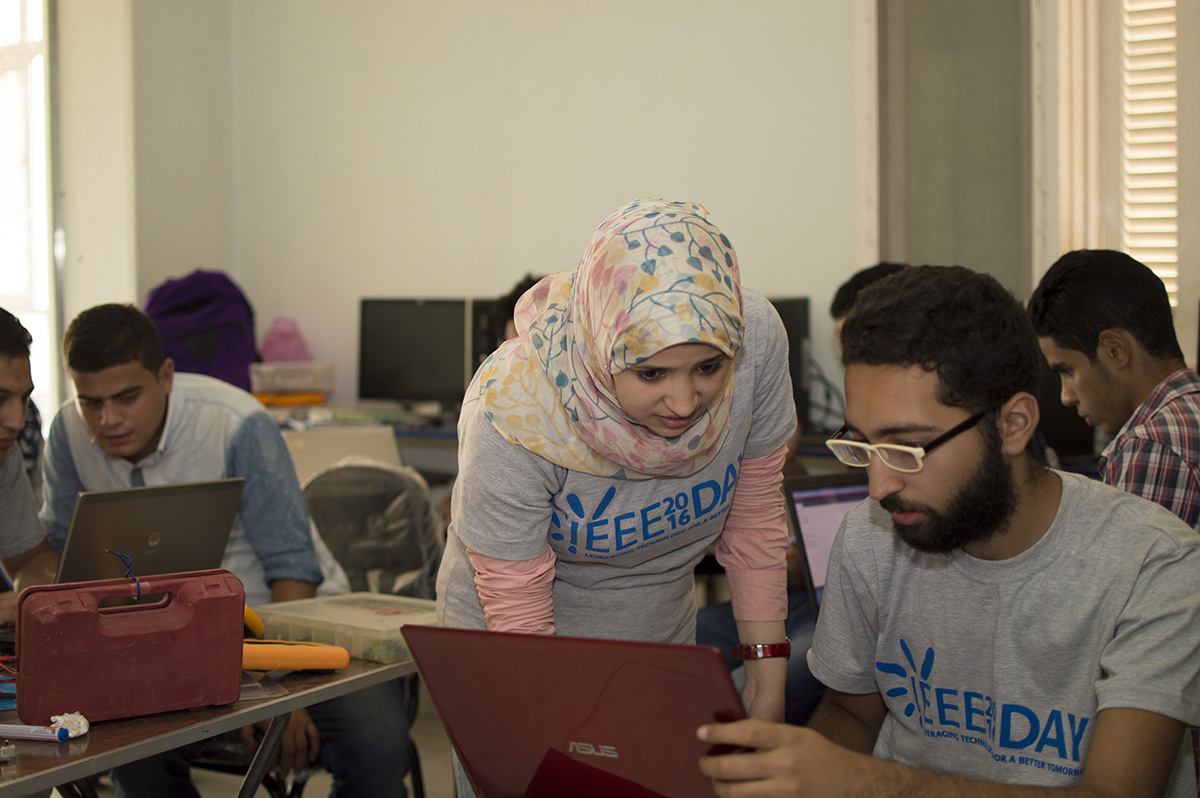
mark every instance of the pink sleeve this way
{"type": "Point", "coordinates": [516, 596]}
{"type": "Point", "coordinates": [753, 547]}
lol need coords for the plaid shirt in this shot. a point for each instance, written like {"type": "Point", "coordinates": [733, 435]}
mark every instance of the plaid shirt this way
{"type": "Point", "coordinates": [1156, 455]}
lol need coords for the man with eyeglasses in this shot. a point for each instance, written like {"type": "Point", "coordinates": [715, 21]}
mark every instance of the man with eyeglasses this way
{"type": "Point", "coordinates": [989, 626]}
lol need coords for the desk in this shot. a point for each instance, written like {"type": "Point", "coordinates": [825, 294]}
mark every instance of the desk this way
{"type": "Point", "coordinates": [39, 765]}
{"type": "Point", "coordinates": [433, 452]}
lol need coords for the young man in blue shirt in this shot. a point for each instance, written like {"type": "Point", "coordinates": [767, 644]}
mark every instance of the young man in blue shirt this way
{"type": "Point", "coordinates": [135, 421]}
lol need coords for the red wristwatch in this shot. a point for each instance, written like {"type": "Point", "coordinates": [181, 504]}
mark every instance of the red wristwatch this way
{"type": "Point", "coordinates": [763, 650]}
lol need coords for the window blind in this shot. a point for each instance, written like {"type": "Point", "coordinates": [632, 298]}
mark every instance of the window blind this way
{"type": "Point", "coordinates": [1149, 207]}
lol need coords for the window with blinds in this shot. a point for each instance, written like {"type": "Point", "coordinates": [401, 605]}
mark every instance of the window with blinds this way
{"type": "Point", "coordinates": [1149, 214]}
{"type": "Point", "coordinates": [27, 288]}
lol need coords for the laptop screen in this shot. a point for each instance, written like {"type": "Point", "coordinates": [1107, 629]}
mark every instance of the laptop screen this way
{"type": "Point", "coordinates": [162, 529]}
{"type": "Point", "coordinates": [817, 505]}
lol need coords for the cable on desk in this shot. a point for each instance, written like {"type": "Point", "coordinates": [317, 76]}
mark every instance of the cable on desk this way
{"type": "Point", "coordinates": [128, 561]}
{"type": "Point", "coordinates": [831, 406]}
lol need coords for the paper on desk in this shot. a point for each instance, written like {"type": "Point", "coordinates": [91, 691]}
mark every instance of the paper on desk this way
{"type": "Point", "coordinates": [75, 723]}
{"type": "Point", "coordinates": [259, 685]}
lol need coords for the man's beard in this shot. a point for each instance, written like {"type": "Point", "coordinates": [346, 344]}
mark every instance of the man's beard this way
{"type": "Point", "coordinates": [983, 507]}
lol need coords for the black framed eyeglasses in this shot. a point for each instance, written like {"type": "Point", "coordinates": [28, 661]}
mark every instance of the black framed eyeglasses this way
{"type": "Point", "coordinates": [908, 459]}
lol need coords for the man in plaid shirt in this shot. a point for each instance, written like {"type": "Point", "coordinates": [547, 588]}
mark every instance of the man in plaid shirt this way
{"type": "Point", "coordinates": [1104, 323]}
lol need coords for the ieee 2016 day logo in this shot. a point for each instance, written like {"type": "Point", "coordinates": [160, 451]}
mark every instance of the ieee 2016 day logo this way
{"type": "Point", "coordinates": [602, 534]}
{"type": "Point", "coordinates": [972, 718]}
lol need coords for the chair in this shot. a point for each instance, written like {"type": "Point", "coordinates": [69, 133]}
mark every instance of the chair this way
{"type": "Point", "coordinates": [379, 522]}
{"type": "Point", "coordinates": [227, 754]}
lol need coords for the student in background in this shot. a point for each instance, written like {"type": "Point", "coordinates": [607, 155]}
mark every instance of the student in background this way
{"type": "Point", "coordinates": [989, 626]}
{"type": "Point", "coordinates": [27, 557]}
{"type": "Point", "coordinates": [1104, 323]}
{"type": "Point", "coordinates": [502, 311]}
{"type": "Point", "coordinates": [32, 445]}
{"type": "Point", "coordinates": [135, 421]}
{"type": "Point", "coordinates": [598, 450]}
{"type": "Point", "coordinates": [847, 293]}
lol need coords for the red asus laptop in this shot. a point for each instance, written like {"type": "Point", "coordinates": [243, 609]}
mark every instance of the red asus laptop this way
{"type": "Point", "coordinates": [534, 716]}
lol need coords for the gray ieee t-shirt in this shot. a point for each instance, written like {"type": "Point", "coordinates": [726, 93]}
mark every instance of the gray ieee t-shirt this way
{"type": "Point", "coordinates": [996, 670]}
{"type": "Point", "coordinates": [625, 549]}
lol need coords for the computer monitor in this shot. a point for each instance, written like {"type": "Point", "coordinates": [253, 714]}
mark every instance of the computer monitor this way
{"type": "Point", "coordinates": [414, 349]}
{"type": "Point", "coordinates": [485, 338]}
{"type": "Point", "coordinates": [794, 313]}
{"type": "Point", "coordinates": [1063, 428]}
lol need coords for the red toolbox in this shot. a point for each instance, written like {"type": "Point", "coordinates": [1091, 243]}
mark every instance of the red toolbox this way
{"type": "Point", "coordinates": [179, 651]}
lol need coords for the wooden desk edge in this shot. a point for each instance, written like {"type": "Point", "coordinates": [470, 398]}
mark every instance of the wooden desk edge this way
{"type": "Point", "coordinates": [303, 690]}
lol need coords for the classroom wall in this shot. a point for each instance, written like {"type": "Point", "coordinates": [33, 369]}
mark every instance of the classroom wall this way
{"type": "Point", "coordinates": [92, 124]}
{"type": "Point", "coordinates": [957, 173]}
{"type": "Point", "coordinates": [321, 152]}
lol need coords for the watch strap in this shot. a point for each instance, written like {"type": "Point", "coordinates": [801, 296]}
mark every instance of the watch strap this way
{"type": "Point", "coordinates": [763, 650]}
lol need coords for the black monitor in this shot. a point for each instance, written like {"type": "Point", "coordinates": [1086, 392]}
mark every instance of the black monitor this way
{"type": "Point", "coordinates": [485, 338]}
{"type": "Point", "coordinates": [1063, 428]}
{"type": "Point", "coordinates": [794, 313]}
{"type": "Point", "coordinates": [413, 350]}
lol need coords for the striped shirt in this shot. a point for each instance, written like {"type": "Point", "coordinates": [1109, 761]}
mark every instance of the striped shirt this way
{"type": "Point", "coordinates": [1156, 455]}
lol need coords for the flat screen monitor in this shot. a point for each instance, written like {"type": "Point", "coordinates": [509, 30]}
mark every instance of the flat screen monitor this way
{"type": "Point", "coordinates": [484, 337]}
{"type": "Point", "coordinates": [1064, 429]}
{"type": "Point", "coordinates": [793, 311]}
{"type": "Point", "coordinates": [413, 349]}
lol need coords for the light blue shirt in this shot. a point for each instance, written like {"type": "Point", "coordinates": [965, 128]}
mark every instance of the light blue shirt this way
{"type": "Point", "coordinates": [213, 431]}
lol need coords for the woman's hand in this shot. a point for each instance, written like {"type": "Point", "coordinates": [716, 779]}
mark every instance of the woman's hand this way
{"type": "Point", "coordinates": [763, 695]}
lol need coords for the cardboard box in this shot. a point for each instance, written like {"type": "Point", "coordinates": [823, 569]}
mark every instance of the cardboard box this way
{"type": "Point", "coordinates": [292, 376]}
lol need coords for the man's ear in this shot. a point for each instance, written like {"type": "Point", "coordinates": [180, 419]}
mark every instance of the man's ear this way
{"type": "Point", "coordinates": [166, 375]}
{"type": "Point", "coordinates": [1019, 419]}
{"type": "Point", "coordinates": [1115, 349]}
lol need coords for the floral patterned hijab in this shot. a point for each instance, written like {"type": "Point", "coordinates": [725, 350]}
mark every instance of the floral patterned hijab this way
{"type": "Point", "coordinates": [656, 274]}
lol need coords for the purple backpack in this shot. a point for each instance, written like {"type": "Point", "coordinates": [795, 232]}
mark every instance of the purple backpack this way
{"type": "Point", "coordinates": [206, 324]}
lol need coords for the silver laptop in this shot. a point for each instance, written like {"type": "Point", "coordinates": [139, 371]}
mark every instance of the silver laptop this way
{"type": "Point", "coordinates": [162, 529]}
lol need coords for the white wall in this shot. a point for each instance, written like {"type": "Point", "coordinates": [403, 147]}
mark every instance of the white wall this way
{"type": "Point", "coordinates": [183, 138]}
{"type": "Point", "coordinates": [324, 151]}
{"type": "Point", "coordinates": [93, 128]}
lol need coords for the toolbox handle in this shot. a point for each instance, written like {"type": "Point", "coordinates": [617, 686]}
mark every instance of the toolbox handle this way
{"type": "Point", "coordinates": [147, 601]}
{"type": "Point", "coordinates": [170, 587]}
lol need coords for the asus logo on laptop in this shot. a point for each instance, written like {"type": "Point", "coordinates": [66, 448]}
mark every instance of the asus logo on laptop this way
{"type": "Point", "coordinates": [593, 750]}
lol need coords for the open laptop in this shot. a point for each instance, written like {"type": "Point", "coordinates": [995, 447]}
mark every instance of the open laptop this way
{"type": "Point", "coordinates": [535, 716]}
{"type": "Point", "coordinates": [163, 529]}
{"type": "Point", "coordinates": [817, 503]}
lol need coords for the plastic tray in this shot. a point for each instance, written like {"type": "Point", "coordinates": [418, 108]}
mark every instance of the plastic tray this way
{"type": "Point", "coordinates": [365, 624]}
{"type": "Point", "coordinates": [291, 375]}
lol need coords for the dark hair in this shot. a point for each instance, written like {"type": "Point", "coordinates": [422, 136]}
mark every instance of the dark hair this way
{"type": "Point", "coordinates": [502, 311]}
{"type": "Point", "coordinates": [112, 335]}
{"type": "Point", "coordinates": [14, 338]}
{"type": "Point", "coordinates": [961, 324]}
{"type": "Point", "coordinates": [847, 293]}
{"type": "Point", "coordinates": [1091, 290]}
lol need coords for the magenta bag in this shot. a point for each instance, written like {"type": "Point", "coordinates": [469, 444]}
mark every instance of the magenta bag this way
{"type": "Point", "coordinates": [284, 341]}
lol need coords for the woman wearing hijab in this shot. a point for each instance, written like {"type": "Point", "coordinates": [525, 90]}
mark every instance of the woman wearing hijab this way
{"type": "Point", "coordinates": [600, 449]}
